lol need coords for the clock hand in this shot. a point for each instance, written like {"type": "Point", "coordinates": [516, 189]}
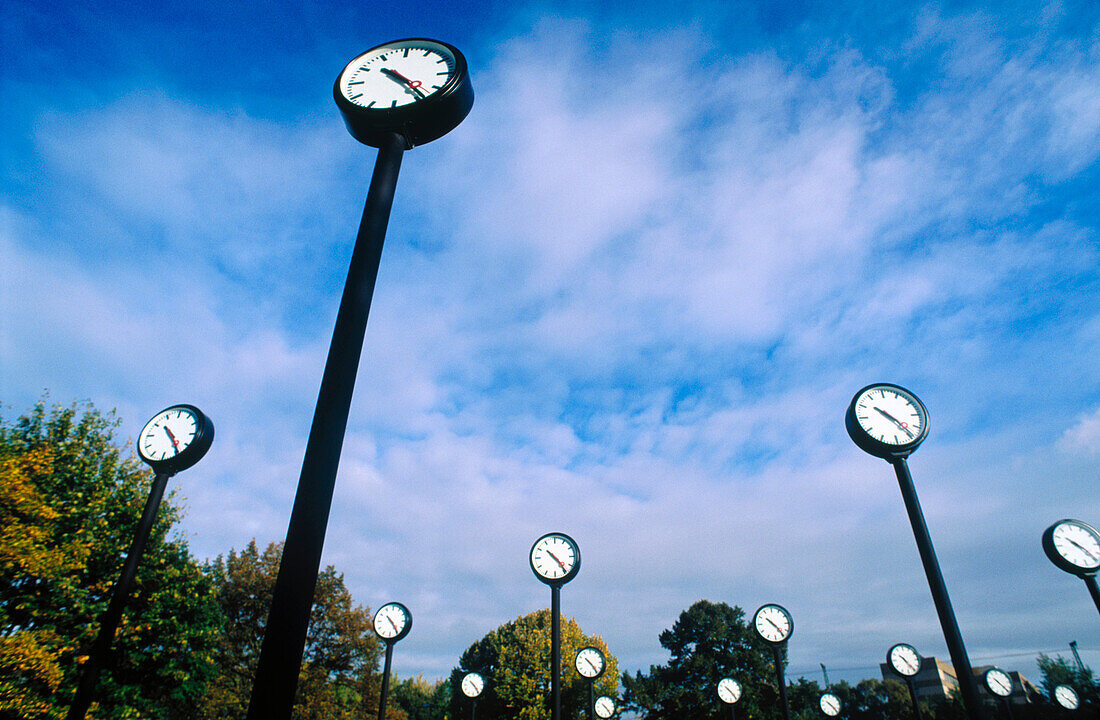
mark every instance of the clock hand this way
{"type": "Point", "coordinates": [774, 625]}
{"type": "Point", "coordinates": [392, 623]}
{"type": "Point", "coordinates": [1082, 548]}
{"type": "Point", "coordinates": [900, 424]}
{"type": "Point", "coordinates": [176, 443]}
{"type": "Point", "coordinates": [592, 665]}
{"type": "Point", "coordinates": [559, 562]}
{"type": "Point", "coordinates": [397, 77]}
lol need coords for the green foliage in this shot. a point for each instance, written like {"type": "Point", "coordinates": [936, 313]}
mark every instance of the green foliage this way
{"type": "Point", "coordinates": [339, 667]}
{"type": "Point", "coordinates": [709, 641]}
{"type": "Point", "coordinates": [1059, 671]}
{"type": "Point", "coordinates": [515, 661]}
{"type": "Point", "coordinates": [418, 699]}
{"type": "Point", "coordinates": [69, 503]}
{"type": "Point", "coordinates": [873, 699]}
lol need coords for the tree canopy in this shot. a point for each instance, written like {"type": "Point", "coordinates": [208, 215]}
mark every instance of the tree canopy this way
{"type": "Point", "coordinates": [515, 661]}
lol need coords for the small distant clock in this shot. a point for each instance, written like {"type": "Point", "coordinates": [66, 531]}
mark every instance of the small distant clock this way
{"type": "Point", "coordinates": [418, 88]}
{"type": "Point", "coordinates": [472, 684]}
{"type": "Point", "coordinates": [392, 622]}
{"type": "Point", "coordinates": [604, 707]}
{"type": "Point", "coordinates": [998, 682]}
{"type": "Point", "coordinates": [175, 439]}
{"type": "Point", "coordinates": [555, 558]}
{"type": "Point", "coordinates": [1073, 546]}
{"type": "Point", "coordinates": [886, 421]}
{"type": "Point", "coordinates": [773, 623]}
{"type": "Point", "coordinates": [729, 690]}
{"type": "Point", "coordinates": [1067, 697]}
{"type": "Point", "coordinates": [904, 659]}
{"type": "Point", "coordinates": [590, 662]}
{"type": "Point", "coordinates": [830, 704]}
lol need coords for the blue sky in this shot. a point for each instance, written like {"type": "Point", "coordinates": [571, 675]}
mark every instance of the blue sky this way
{"type": "Point", "coordinates": [629, 298]}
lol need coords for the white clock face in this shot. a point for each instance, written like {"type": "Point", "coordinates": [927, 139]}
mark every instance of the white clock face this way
{"type": "Point", "coordinates": [1077, 544]}
{"type": "Point", "coordinates": [605, 707]}
{"type": "Point", "coordinates": [168, 434]}
{"type": "Point", "coordinates": [905, 660]}
{"type": "Point", "coordinates": [472, 685]}
{"type": "Point", "coordinates": [390, 620]}
{"type": "Point", "coordinates": [397, 74]}
{"type": "Point", "coordinates": [773, 623]}
{"type": "Point", "coordinates": [890, 415]}
{"type": "Point", "coordinates": [729, 690]}
{"type": "Point", "coordinates": [590, 662]}
{"type": "Point", "coordinates": [830, 704]}
{"type": "Point", "coordinates": [998, 682]}
{"type": "Point", "coordinates": [553, 557]}
{"type": "Point", "coordinates": [1066, 697]}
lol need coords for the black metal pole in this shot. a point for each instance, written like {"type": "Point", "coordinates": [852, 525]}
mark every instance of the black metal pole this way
{"type": "Point", "coordinates": [473, 709]}
{"type": "Point", "coordinates": [733, 713]}
{"type": "Point", "coordinates": [284, 640]}
{"type": "Point", "coordinates": [591, 699]}
{"type": "Point", "coordinates": [555, 652]}
{"type": "Point", "coordinates": [111, 617]}
{"type": "Point", "coordinates": [385, 682]}
{"type": "Point", "coordinates": [913, 696]}
{"type": "Point", "coordinates": [781, 676]}
{"type": "Point", "coordinates": [950, 626]}
{"type": "Point", "coordinates": [1008, 708]}
{"type": "Point", "coordinates": [1094, 590]}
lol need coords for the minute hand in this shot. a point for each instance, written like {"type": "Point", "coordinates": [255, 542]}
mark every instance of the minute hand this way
{"type": "Point", "coordinates": [397, 77]}
{"type": "Point", "coordinates": [894, 420]}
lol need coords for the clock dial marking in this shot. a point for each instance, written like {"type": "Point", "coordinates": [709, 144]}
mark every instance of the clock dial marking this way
{"type": "Point", "coordinates": [555, 558]}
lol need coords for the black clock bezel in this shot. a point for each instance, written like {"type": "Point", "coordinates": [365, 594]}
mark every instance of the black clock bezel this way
{"type": "Point", "coordinates": [404, 631]}
{"type": "Point", "coordinates": [1076, 695]}
{"type": "Point", "coordinates": [418, 122]}
{"type": "Point", "coordinates": [603, 662]}
{"type": "Point", "coordinates": [790, 621]}
{"type": "Point", "coordinates": [462, 685]}
{"type": "Point", "coordinates": [1056, 557]}
{"type": "Point", "coordinates": [572, 571]}
{"type": "Point", "coordinates": [718, 690]}
{"type": "Point", "coordinates": [204, 436]}
{"type": "Point", "coordinates": [873, 446]}
{"type": "Point", "coordinates": [596, 705]}
{"type": "Point", "coordinates": [821, 704]}
{"type": "Point", "coordinates": [890, 659]}
{"type": "Point", "coordinates": [985, 681]}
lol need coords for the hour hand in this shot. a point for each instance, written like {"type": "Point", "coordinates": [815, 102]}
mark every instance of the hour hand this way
{"type": "Point", "coordinates": [894, 420]}
{"type": "Point", "coordinates": [400, 79]}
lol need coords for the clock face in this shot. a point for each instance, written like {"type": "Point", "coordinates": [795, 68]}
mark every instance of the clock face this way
{"type": "Point", "coordinates": [1073, 546]}
{"type": "Point", "coordinates": [604, 706]}
{"type": "Point", "coordinates": [175, 438]}
{"type": "Point", "coordinates": [999, 682]}
{"type": "Point", "coordinates": [830, 704]}
{"type": "Point", "coordinates": [773, 623]}
{"type": "Point", "coordinates": [1066, 696]}
{"type": "Point", "coordinates": [418, 88]}
{"type": "Point", "coordinates": [886, 420]}
{"type": "Point", "coordinates": [472, 685]}
{"type": "Point", "coordinates": [392, 621]}
{"type": "Point", "coordinates": [904, 659]}
{"type": "Point", "coordinates": [590, 662]}
{"type": "Point", "coordinates": [729, 690]}
{"type": "Point", "coordinates": [555, 558]}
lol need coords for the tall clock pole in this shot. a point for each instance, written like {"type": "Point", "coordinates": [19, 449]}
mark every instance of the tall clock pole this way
{"type": "Point", "coordinates": [394, 96]}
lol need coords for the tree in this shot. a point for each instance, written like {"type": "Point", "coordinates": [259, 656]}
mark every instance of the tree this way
{"type": "Point", "coordinates": [339, 676]}
{"type": "Point", "coordinates": [515, 661]}
{"type": "Point", "coordinates": [873, 699]}
{"type": "Point", "coordinates": [1058, 671]}
{"type": "Point", "coordinates": [420, 700]}
{"type": "Point", "coordinates": [69, 504]}
{"type": "Point", "coordinates": [709, 641]}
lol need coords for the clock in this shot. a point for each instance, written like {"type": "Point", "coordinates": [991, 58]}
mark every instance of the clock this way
{"type": "Point", "coordinates": [590, 662]}
{"type": "Point", "coordinates": [472, 684]}
{"type": "Point", "coordinates": [392, 622]}
{"type": "Point", "coordinates": [773, 623]}
{"type": "Point", "coordinates": [555, 558]}
{"type": "Point", "coordinates": [729, 690]}
{"type": "Point", "coordinates": [905, 660]}
{"type": "Point", "coordinates": [830, 704]}
{"type": "Point", "coordinates": [175, 439]}
{"type": "Point", "coordinates": [1073, 546]}
{"type": "Point", "coordinates": [604, 707]}
{"type": "Point", "coordinates": [1066, 696]}
{"type": "Point", "coordinates": [418, 88]}
{"type": "Point", "coordinates": [886, 421]}
{"type": "Point", "coordinates": [998, 682]}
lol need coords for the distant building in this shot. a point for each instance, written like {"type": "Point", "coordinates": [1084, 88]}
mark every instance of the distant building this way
{"type": "Point", "coordinates": [937, 679]}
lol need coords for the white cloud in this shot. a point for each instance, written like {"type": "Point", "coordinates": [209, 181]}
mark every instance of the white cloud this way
{"type": "Point", "coordinates": [1084, 436]}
